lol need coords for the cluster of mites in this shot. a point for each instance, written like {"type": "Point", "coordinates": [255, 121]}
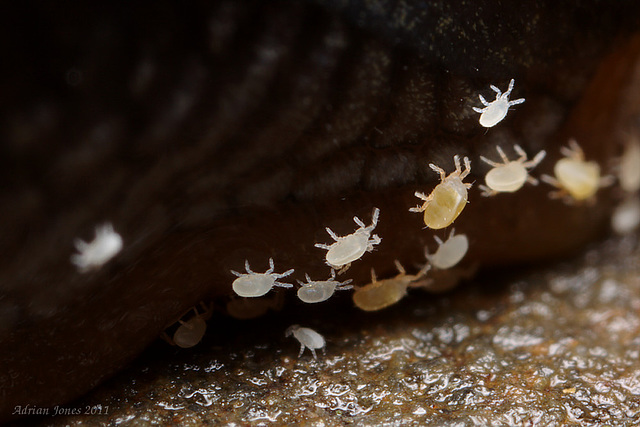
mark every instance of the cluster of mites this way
{"type": "Point", "coordinates": [576, 180]}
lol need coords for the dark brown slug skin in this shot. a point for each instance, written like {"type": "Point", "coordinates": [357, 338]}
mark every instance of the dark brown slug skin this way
{"type": "Point", "coordinates": [216, 132]}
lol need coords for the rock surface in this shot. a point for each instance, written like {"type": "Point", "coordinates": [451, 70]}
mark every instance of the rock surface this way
{"type": "Point", "coordinates": [551, 345]}
{"type": "Point", "coordinates": [219, 132]}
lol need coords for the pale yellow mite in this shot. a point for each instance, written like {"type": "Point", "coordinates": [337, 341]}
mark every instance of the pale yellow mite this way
{"type": "Point", "coordinates": [575, 178]}
{"type": "Point", "coordinates": [384, 293]}
{"type": "Point", "coordinates": [448, 199]}
{"type": "Point", "coordinates": [510, 175]}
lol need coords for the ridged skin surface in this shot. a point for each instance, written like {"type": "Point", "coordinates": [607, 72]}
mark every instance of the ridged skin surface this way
{"type": "Point", "coordinates": [213, 133]}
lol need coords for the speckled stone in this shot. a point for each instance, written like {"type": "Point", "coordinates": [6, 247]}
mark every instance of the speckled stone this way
{"type": "Point", "coordinates": [210, 133]}
{"type": "Point", "coordinates": [552, 345]}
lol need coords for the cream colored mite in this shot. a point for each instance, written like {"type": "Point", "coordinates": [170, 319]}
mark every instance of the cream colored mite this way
{"type": "Point", "coordinates": [349, 248]}
{"type": "Point", "coordinates": [449, 253]}
{"type": "Point", "coordinates": [510, 175]}
{"type": "Point", "coordinates": [257, 284]}
{"type": "Point", "coordinates": [448, 199]}
{"type": "Point", "coordinates": [315, 291]}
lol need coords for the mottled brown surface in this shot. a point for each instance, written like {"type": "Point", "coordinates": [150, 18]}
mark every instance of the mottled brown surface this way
{"type": "Point", "coordinates": [555, 345]}
{"type": "Point", "coordinates": [214, 133]}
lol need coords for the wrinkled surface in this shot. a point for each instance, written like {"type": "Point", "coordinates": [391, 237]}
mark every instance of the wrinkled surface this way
{"type": "Point", "coordinates": [554, 345]}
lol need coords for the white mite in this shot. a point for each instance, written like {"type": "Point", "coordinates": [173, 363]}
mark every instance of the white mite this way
{"type": "Point", "coordinates": [629, 174]}
{"type": "Point", "coordinates": [257, 284]}
{"type": "Point", "coordinates": [510, 175]}
{"type": "Point", "coordinates": [448, 199]}
{"type": "Point", "coordinates": [308, 338]}
{"type": "Point", "coordinates": [495, 111]}
{"type": "Point", "coordinates": [318, 291]}
{"type": "Point", "coordinates": [347, 249]}
{"type": "Point", "coordinates": [98, 252]}
{"type": "Point", "coordinates": [384, 293]}
{"type": "Point", "coordinates": [626, 216]}
{"type": "Point", "coordinates": [449, 253]}
{"type": "Point", "coordinates": [575, 178]}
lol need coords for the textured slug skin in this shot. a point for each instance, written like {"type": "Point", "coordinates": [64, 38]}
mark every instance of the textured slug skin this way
{"type": "Point", "coordinates": [209, 134]}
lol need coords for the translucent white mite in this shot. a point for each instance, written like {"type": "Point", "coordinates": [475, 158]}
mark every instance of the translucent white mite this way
{"type": "Point", "coordinates": [190, 332]}
{"type": "Point", "coordinates": [510, 175]}
{"type": "Point", "coordinates": [576, 179]}
{"type": "Point", "coordinates": [98, 252]}
{"type": "Point", "coordinates": [495, 111]}
{"type": "Point", "coordinates": [626, 216]}
{"type": "Point", "coordinates": [307, 337]}
{"type": "Point", "coordinates": [318, 291]}
{"type": "Point", "coordinates": [257, 284]}
{"type": "Point", "coordinates": [384, 293]}
{"type": "Point", "coordinates": [629, 173]}
{"type": "Point", "coordinates": [449, 253]}
{"type": "Point", "coordinates": [347, 249]}
{"type": "Point", "coordinates": [448, 199]}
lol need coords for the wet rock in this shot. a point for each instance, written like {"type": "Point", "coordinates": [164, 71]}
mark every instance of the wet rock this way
{"type": "Point", "coordinates": [210, 134]}
{"type": "Point", "coordinates": [553, 345]}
